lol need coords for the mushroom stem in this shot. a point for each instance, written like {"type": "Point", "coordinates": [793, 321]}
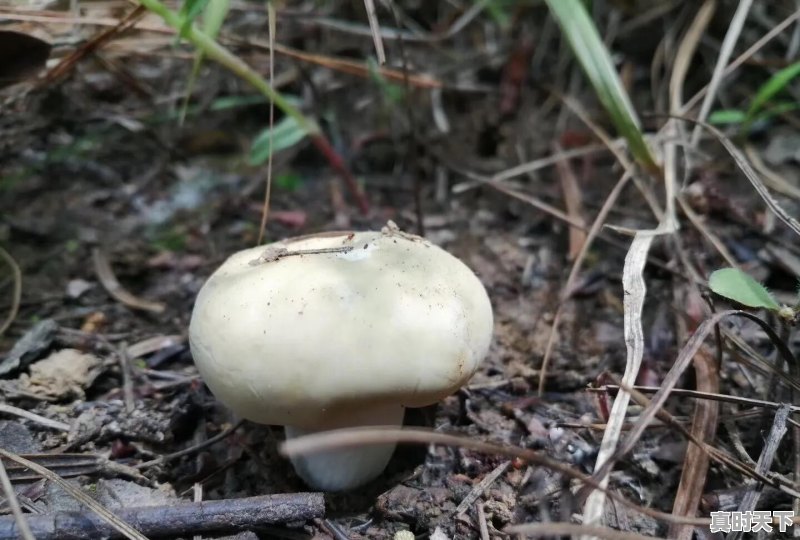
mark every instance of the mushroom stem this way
{"type": "Point", "coordinates": [348, 468]}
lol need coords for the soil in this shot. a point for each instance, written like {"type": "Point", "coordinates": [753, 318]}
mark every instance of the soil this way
{"type": "Point", "coordinates": [116, 213]}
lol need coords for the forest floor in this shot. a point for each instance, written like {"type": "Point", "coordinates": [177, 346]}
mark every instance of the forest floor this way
{"type": "Point", "coordinates": [116, 212]}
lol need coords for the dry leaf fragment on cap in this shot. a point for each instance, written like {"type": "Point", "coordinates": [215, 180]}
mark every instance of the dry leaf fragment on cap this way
{"type": "Point", "coordinates": [64, 374]}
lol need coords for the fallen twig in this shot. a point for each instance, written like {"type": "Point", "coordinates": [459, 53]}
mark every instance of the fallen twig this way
{"type": "Point", "coordinates": [16, 295]}
{"type": "Point", "coordinates": [349, 437]}
{"type": "Point", "coordinates": [177, 520]}
{"type": "Point", "coordinates": [110, 520]}
{"type": "Point", "coordinates": [17, 517]}
{"type": "Point", "coordinates": [539, 530]}
{"type": "Point", "coordinates": [186, 451]}
{"type": "Point", "coordinates": [33, 417]}
{"type": "Point", "coordinates": [116, 290]}
{"type": "Point", "coordinates": [481, 487]}
{"type": "Point", "coordinates": [375, 27]}
{"type": "Point", "coordinates": [750, 499]}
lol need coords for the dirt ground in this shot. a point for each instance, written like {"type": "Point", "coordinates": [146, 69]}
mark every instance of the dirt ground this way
{"type": "Point", "coordinates": [116, 213]}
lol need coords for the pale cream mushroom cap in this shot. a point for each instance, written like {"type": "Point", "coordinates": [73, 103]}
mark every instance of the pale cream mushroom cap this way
{"type": "Point", "coordinates": [360, 320]}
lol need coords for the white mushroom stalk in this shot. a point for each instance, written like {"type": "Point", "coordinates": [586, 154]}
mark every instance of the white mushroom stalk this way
{"type": "Point", "coordinates": [339, 330]}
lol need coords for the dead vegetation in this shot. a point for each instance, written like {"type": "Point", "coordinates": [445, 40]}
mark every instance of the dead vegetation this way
{"type": "Point", "coordinates": [620, 399]}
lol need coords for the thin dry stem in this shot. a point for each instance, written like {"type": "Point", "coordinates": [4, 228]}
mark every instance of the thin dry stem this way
{"type": "Point", "coordinates": [16, 294]}
{"type": "Point", "coordinates": [346, 438]}
{"type": "Point", "coordinates": [268, 192]}
{"type": "Point", "coordinates": [13, 503]}
{"type": "Point", "coordinates": [124, 528]}
{"type": "Point", "coordinates": [728, 44]}
{"type": "Point", "coordinates": [375, 28]}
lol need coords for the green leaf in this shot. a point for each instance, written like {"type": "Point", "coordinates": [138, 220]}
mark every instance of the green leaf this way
{"type": "Point", "coordinates": [595, 59]}
{"type": "Point", "coordinates": [726, 117]}
{"type": "Point", "coordinates": [232, 102]}
{"type": "Point", "coordinates": [289, 181]}
{"type": "Point", "coordinates": [769, 89]}
{"type": "Point", "coordinates": [189, 12]}
{"type": "Point", "coordinates": [284, 134]}
{"type": "Point", "coordinates": [771, 110]}
{"type": "Point", "coordinates": [735, 285]}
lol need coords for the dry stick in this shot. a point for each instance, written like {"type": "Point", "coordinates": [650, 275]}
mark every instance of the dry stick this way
{"type": "Point", "coordinates": [268, 193]}
{"type": "Point", "coordinates": [540, 530]}
{"type": "Point", "coordinates": [698, 223]}
{"type": "Point", "coordinates": [480, 487]}
{"type": "Point", "coordinates": [535, 165]}
{"type": "Point", "coordinates": [338, 64]}
{"type": "Point", "coordinates": [634, 285]}
{"type": "Point", "coordinates": [674, 374]}
{"type": "Point", "coordinates": [198, 497]}
{"type": "Point", "coordinates": [182, 519]}
{"type": "Point", "coordinates": [533, 201]}
{"type": "Point", "coordinates": [186, 451]}
{"type": "Point", "coordinates": [375, 28]}
{"type": "Point", "coordinates": [573, 201]}
{"type": "Point", "coordinates": [771, 178]}
{"type": "Point", "coordinates": [750, 173]}
{"type": "Point", "coordinates": [744, 57]}
{"type": "Point", "coordinates": [758, 362]}
{"type": "Point", "coordinates": [33, 417]}
{"type": "Point", "coordinates": [696, 460]}
{"type": "Point", "coordinates": [67, 64]}
{"type": "Point", "coordinates": [714, 453]}
{"type": "Point", "coordinates": [741, 59]}
{"type": "Point", "coordinates": [597, 225]}
{"type": "Point", "coordinates": [605, 138]}
{"type": "Point", "coordinates": [731, 37]}
{"type": "Point", "coordinates": [16, 295]}
{"type": "Point", "coordinates": [333, 528]}
{"type": "Point", "coordinates": [104, 514]}
{"type": "Point", "coordinates": [18, 519]}
{"type": "Point", "coordinates": [396, 33]}
{"type": "Point", "coordinates": [110, 283]}
{"type": "Point", "coordinates": [347, 438]}
{"type": "Point", "coordinates": [411, 153]}
{"type": "Point", "coordinates": [482, 525]}
{"type": "Point", "coordinates": [127, 378]}
{"type": "Point", "coordinates": [750, 499]}
{"type": "Point", "coordinates": [350, 67]}
{"type": "Point", "coordinates": [702, 395]}
{"type": "Point", "coordinates": [727, 500]}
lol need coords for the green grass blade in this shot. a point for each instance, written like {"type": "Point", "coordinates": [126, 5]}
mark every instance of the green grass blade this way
{"type": "Point", "coordinates": [770, 89]}
{"type": "Point", "coordinates": [213, 50]}
{"type": "Point", "coordinates": [724, 117]}
{"type": "Point", "coordinates": [190, 10]}
{"type": "Point", "coordinates": [213, 17]}
{"type": "Point", "coordinates": [593, 56]}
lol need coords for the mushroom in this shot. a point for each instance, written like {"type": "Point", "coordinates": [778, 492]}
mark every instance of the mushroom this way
{"type": "Point", "coordinates": [339, 330]}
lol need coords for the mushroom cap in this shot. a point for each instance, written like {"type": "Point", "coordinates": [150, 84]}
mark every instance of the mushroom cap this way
{"type": "Point", "coordinates": [311, 331]}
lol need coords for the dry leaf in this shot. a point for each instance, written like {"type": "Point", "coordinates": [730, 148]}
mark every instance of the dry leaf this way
{"type": "Point", "coordinates": [64, 374]}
